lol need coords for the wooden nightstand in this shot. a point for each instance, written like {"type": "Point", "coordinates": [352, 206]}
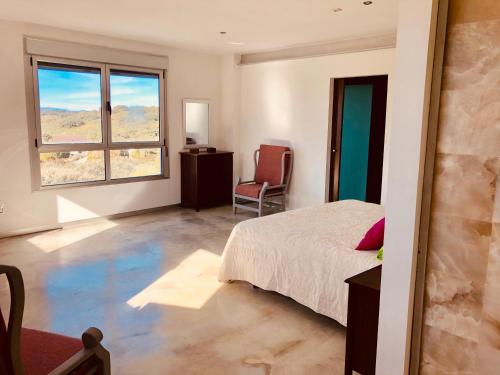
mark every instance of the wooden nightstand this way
{"type": "Point", "coordinates": [362, 322]}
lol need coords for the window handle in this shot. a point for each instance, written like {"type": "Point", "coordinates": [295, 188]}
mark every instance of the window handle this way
{"type": "Point", "coordinates": [108, 107]}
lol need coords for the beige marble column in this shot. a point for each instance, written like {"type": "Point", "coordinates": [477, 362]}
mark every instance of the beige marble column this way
{"type": "Point", "coordinates": [461, 332]}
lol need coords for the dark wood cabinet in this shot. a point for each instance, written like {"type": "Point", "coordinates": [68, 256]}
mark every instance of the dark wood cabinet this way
{"type": "Point", "coordinates": [362, 322]}
{"type": "Point", "coordinates": [206, 179]}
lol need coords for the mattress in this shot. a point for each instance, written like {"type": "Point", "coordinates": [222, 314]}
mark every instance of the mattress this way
{"type": "Point", "coordinates": [305, 254]}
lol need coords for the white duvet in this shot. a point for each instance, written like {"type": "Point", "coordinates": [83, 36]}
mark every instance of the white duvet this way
{"type": "Point", "coordinates": [305, 254]}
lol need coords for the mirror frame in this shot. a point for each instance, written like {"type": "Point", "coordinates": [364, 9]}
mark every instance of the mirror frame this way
{"type": "Point", "coordinates": [201, 101]}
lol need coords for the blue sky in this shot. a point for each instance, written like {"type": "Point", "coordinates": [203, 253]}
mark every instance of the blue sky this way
{"type": "Point", "coordinates": [81, 91]}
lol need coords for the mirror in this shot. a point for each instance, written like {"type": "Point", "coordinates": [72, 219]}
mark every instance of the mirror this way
{"type": "Point", "coordinates": [196, 122]}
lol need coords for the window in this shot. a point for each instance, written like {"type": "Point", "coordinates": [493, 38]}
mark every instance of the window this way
{"type": "Point", "coordinates": [98, 123]}
{"type": "Point", "coordinates": [136, 114]}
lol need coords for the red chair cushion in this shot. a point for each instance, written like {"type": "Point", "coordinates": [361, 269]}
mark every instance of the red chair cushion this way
{"type": "Point", "coordinates": [249, 190]}
{"type": "Point", "coordinates": [42, 352]}
{"type": "Point", "coordinates": [269, 164]}
{"type": "Point", "coordinates": [4, 351]}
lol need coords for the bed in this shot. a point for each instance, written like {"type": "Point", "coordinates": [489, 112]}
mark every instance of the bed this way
{"type": "Point", "coordinates": [305, 254]}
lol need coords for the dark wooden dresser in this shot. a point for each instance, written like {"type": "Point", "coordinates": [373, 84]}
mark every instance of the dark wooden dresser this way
{"type": "Point", "coordinates": [206, 179]}
{"type": "Point", "coordinates": [362, 322]}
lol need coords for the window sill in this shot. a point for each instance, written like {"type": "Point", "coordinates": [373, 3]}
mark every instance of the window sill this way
{"type": "Point", "coordinates": [101, 183]}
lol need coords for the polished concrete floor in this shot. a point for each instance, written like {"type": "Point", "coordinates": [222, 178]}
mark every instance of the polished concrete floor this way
{"type": "Point", "coordinates": [149, 282]}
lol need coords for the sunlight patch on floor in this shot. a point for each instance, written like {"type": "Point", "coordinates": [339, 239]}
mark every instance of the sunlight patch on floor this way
{"type": "Point", "coordinates": [191, 284]}
{"type": "Point", "coordinates": [53, 241]}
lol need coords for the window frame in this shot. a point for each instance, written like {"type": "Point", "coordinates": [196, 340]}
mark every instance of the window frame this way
{"type": "Point", "coordinates": [106, 144]}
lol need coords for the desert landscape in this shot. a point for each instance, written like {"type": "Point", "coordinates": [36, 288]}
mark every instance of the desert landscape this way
{"type": "Point", "coordinates": [128, 124]}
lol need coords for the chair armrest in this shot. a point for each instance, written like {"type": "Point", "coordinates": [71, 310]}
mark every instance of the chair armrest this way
{"type": "Point", "coordinates": [91, 338]}
{"type": "Point", "coordinates": [92, 347]}
{"type": "Point", "coordinates": [239, 182]}
{"type": "Point", "coordinates": [271, 190]}
{"type": "Point", "coordinates": [246, 182]}
{"type": "Point", "coordinates": [282, 186]}
{"type": "Point", "coordinates": [268, 186]}
{"type": "Point", "coordinates": [16, 286]}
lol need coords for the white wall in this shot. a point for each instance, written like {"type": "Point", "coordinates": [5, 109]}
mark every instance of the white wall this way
{"type": "Point", "coordinates": [287, 102]}
{"type": "Point", "coordinates": [190, 75]}
{"type": "Point", "coordinates": [412, 78]}
{"type": "Point", "coordinates": [229, 126]}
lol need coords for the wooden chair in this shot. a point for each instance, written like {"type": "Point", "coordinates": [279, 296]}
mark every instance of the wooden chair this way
{"type": "Point", "coordinates": [273, 169]}
{"type": "Point", "coordinates": [32, 352]}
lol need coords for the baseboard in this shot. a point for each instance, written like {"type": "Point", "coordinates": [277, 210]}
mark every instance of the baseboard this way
{"type": "Point", "coordinates": [45, 228]}
{"type": "Point", "coordinates": [31, 230]}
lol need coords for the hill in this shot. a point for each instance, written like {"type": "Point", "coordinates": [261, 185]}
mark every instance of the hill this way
{"type": "Point", "coordinates": [129, 124]}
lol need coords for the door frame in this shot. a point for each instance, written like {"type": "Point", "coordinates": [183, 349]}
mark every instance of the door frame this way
{"type": "Point", "coordinates": [377, 134]}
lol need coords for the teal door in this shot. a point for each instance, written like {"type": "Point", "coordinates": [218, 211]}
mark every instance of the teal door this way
{"type": "Point", "coordinates": [358, 138]}
{"type": "Point", "coordinates": [355, 141]}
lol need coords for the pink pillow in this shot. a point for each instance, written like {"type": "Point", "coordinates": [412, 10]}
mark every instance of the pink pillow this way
{"type": "Point", "coordinates": [374, 238]}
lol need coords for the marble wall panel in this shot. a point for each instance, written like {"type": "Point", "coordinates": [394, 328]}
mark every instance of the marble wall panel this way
{"type": "Point", "coordinates": [446, 354]}
{"type": "Point", "coordinates": [464, 186]}
{"type": "Point", "coordinates": [470, 93]}
{"type": "Point", "coordinates": [461, 333]}
{"type": "Point", "coordinates": [462, 11]}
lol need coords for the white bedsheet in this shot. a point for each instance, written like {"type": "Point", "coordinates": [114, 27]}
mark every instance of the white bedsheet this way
{"type": "Point", "coordinates": [305, 254]}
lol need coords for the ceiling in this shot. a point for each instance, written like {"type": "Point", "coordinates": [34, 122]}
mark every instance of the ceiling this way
{"type": "Point", "coordinates": [250, 25]}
